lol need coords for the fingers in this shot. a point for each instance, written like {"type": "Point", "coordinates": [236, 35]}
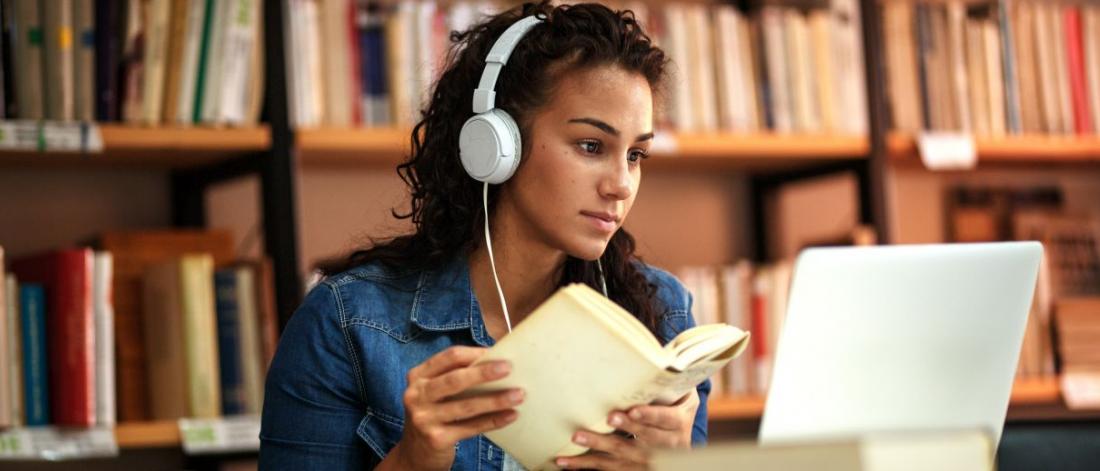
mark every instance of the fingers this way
{"type": "Point", "coordinates": [659, 417]}
{"type": "Point", "coordinates": [456, 381]}
{"type": "Point", "coordinates": [462, 409]}
{"type": "Point", "coordinates": [481, 424]}
{"type": "Point", "coordinates": [608, 451]}
{"type": "Point", "coordinates": [447, 360]}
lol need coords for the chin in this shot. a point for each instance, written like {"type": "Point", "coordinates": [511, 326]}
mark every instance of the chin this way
{"type": "Point", "coordinates": [588, 249]}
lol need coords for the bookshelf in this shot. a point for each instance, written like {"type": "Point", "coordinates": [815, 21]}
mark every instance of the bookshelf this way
{"type": "Point", "coordinates": [1030, 150]}
{"type": "Point", "coordinates": [157, 434]}
{"type": "Point", "coordinates": [386, 147]}
{"type": "Point", "coordinates": [152, 147]}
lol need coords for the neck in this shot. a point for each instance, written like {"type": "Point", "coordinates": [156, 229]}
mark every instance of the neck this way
{"type": "Point", "coordinates": [528, 273]}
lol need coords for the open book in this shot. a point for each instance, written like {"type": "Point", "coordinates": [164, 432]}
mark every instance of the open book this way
{"type": "Point", "coordinates": [579, 356]}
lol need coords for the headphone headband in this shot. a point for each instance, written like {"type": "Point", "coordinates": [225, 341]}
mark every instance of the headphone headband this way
{"type": "Point", "coordinates": [485, 94]}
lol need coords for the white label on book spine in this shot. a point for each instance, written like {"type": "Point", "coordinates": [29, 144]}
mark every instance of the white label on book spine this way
{"type": "Point", "coordinates": [221, 435]}
{"type": "Point", "coordinates": [1081, 389]}
{"type": "Point", "coordinates": [71, 137]}
{"type": "Point", "coordinates": [50, 136]}
{"type": "Point", "coordinates": [19, 135]}
{"type": "Point", "coordinates": [53, 443]}
{"type": "Point", "coordinates": [947, 151]}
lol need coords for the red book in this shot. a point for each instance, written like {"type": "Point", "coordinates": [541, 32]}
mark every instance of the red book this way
{"type": "Point", "coordinates": [70, 320]}
{"type": "Point", "coordinates": [1075, 58]}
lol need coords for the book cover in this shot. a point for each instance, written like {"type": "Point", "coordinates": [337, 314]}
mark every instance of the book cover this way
{"type": "Point", "coordinates": [103, 300]}
{"type": "Point", "coordinates": [67, 277]}
{"type": "Point", "coordinates": [6, 339]}
{"type": "Point", "coordinates": [36, 390]}
{"type": "Point", "coordinates": [84, 60]}
{"type": "Point", "coordinates": [60, 88]}
{"type": "Point", "coordinates": [15, 334]}
{"type": "Point", "coordinates": [1075, 61]}
{"type": "Point", "coordinates": [616, 363]}
{"type": "Point", "coordinates": [177, 37]}
{"type": "Point", "coordinates": [196, 272]}
{"type": "Point", "coordinates": [26, 27]}
{"type": "Point", "coordinates": [229, 341]}
{"type": "Point", "coordinates": [190, 54]}
{"type": "Point", "coordinates": [109, 23]}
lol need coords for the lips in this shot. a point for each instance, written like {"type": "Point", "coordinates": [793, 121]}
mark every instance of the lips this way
{"type": "Point", "coordinates": [605, 222]}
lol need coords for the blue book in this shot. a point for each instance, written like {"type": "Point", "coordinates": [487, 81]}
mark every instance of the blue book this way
{"type": "Point", "coordinates": [229, 341]}
{"type": "Point", "coordinates": [36, 391]}
{"type": "Point", "coordinates": [372, 65]}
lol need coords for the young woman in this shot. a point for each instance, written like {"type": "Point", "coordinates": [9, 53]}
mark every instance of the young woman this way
{"type": "Point", "coordinates": [369, 366]}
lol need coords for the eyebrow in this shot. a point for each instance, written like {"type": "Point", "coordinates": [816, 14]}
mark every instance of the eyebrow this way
{"type": "Point", "coordinates": [607, 128]}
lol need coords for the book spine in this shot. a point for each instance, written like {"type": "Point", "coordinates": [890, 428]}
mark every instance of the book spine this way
{"type": "Point", "coordinates": [229, 342]}
{"type": "Point", "coordinates": [72, 341]}
{"type": "Point", "coordinates": [7, 337]}
{"type": "Point", "coordinates": [1075, 61]}
{"type": "Point", "coordinates": [32, 297]}
{"type": "Point", "coordinates": [107, 59]}
{"type": "Point", "coordinates": [84, 60]}
{"type": "Point", "coordinates": [103, 298]}
{"type": "Point", "coordinates": [15, 332]}
{"type": "Point", "coordinates": [200, 335]}
{"type": "Point", "coordinates": [201, 73]}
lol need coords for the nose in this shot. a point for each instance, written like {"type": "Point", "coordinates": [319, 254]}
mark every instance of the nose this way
{"type": "Point", "coordinates": [618, 183]}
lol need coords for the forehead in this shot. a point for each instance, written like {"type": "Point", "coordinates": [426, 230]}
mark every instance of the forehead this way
{"type": "Point", "coordinates": [607, 89]}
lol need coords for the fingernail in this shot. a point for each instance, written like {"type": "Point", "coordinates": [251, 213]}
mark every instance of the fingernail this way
{"type": "Point", "coordinates": [501, 368]}
{"type": "Point", "coordinates": [562, 462]}
{"type": "Point", "coordinates": [636, 414]}
{"type": "Point", "coordinates": [515, 396]}
{"type": "Point", "coordinates": [616, 420]}
{"type": "Point", "coordinates": [580, 439]}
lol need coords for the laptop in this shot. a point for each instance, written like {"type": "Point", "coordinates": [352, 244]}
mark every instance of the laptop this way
{"type": "Point", "coordinates": [900, 339]}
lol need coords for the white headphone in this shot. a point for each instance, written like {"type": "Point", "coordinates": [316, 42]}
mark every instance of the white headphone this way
{"type": "Point", "coordinates": [489, 143]}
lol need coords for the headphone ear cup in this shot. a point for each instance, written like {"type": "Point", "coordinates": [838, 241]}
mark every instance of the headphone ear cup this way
{"type": "Point", "coordinates": [517, 140]}
{"type": "Point", "coordinates": [489, 146]}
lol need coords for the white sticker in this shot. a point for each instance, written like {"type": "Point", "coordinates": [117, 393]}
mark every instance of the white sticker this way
{"type": "Point", "coordinates": [220, 435]}
{"type": "Point", "coordinates": [71, 137]}
{"type": "Point", "coordinates": [54, 443]}
{"type": "Point", "coordinates": [1081, 389]}
{"type": "Point", "coordinates": [947, 151]}
{"type": "Point", "coordinates": [19, 135]}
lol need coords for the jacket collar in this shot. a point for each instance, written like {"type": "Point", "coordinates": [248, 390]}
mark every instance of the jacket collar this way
{"type": "Point", "coordinates": [445, 301]}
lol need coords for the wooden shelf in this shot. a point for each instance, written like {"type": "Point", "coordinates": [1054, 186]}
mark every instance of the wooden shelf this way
{"type": "Point", "coordinates": [159, 434]}
{"type": "Point", "coordinates": [1012, 150]}
{"type": "Point", "coordinates": [386, 147]}
{"type": "Point", "coordinates": [135, 146]}
{"type": "Point", "coordinates": [1025, 393]}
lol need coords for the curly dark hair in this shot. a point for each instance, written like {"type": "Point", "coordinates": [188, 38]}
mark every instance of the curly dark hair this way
{"type": "Point", "coordinates": [446, 203]}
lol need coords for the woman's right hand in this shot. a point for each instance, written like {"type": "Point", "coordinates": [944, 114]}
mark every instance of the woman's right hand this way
{"type": "Point", "coordinates": [435, 420]}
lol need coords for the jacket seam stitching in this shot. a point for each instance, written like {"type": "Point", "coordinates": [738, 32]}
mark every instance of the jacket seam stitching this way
{"type": "Point", "coordinates": [347, 342]}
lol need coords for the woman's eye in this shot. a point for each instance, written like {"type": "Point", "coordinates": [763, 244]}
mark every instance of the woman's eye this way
{"type": "Point", "coordinates": [637, 156]}
{"type": "Point", "coordinates": [590, 147]}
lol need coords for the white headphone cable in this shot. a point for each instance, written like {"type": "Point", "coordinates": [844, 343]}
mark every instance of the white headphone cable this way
{"type": "Point", "coordinates": [492, 262]}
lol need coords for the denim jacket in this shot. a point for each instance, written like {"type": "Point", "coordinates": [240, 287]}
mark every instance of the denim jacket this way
{"type": "Point", "coordinates": [334, 391]}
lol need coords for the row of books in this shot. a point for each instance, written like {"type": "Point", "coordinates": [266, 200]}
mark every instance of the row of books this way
{"type": "Point", "coordinates": [993, 68]}
{"type": "Point", "coordinates": [56, 340]}
{"type": "Point", "coordinates": [360, 63]}
{"type": "Point", "coordinates": [755, 299]}
{"type": "Point", "coordinates": [148, 325]}
{"type": "Point", "coordinates": [149, 62]}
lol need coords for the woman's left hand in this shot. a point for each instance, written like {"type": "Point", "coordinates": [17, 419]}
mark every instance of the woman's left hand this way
{"type": "Point", "coordinates": [652, 427]}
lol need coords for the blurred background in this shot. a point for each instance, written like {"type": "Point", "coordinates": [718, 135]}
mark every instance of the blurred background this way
{"type": "Point", "coordinates": [173, 173]}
